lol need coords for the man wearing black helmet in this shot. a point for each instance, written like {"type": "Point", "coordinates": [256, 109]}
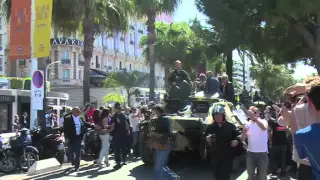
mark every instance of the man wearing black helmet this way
{"type": "Point", "coordinates": [222, 137]}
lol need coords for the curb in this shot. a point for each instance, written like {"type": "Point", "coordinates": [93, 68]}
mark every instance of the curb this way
{"type": "Point", "coordinates": [64, 167]}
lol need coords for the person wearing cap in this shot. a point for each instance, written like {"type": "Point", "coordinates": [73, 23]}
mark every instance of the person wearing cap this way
{"type": "Point", "coordinates": [178, 74]}
{"type": "Point", "coordinates": [121, 135]}
{"type": "Point", "coordinates": [222, 138]}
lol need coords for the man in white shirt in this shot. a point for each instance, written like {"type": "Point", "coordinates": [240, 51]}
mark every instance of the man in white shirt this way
{"type": "Point", "coordinates": [256, 131]}
{"type": "Point", "coordinates": [134, 120]}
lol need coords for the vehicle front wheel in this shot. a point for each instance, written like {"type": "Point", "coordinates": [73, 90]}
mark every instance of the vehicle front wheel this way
{"type": "Point", "coordinates": [27, 160]}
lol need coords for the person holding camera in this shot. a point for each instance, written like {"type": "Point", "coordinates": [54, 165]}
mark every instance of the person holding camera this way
{"type": "Point", "coordinates": [297, 115]}
{"type": "Point", "coordinates": [307, 139]}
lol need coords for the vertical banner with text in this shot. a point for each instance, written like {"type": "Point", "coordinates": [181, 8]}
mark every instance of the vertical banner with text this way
{"type": "Point", "coordinates": [20, 30]}
{"type": "Point", "coordinates": [42, 28]}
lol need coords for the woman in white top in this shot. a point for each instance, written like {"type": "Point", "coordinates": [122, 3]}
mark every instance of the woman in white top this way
{"type": "Point", "coordinates": [106, 126]}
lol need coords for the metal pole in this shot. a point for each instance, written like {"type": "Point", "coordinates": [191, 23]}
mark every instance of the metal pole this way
{"type": "Point", "coordinates": [47, 68]}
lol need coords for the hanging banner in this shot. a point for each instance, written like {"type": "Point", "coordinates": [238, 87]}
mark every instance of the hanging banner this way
{"type": "Point", "coordinates": [42, 28]}
{"type": "Point", "coordinates": [20, 30]}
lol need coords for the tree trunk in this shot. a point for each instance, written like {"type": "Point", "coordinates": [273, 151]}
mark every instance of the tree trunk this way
{"type": "Point", "coordinates": [316, 61]}
{"type": "Point", "coordinates": [151, 44]}
{"type": "Point", "coordinates": [166, 77]}
{"type": "Point", "coordinates": [87, 54]}
{"type": "Point", "coordinates": [229, 66]}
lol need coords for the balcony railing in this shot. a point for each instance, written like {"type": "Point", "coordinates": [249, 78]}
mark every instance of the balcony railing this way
{"type": "Point", "coordinates": [65, 61]}
{"type": "Point", "coordinates": [81, 63]}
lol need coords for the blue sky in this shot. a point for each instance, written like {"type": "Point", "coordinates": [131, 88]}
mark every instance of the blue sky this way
{"type": "Point", "coordinates": [187, 10]}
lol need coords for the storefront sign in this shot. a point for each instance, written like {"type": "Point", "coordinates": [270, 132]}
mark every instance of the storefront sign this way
{"type": "Point", "coordinates": [70, 42]}
{"type": "Point", "coordinates": [52, 102]}
{"type": "Point", "coordinates": [7, 99]}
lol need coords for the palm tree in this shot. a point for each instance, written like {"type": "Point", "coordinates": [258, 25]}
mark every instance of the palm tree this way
{"type": "Point", "coordinates": [89, 17]}
{"type": "Point", "coordinates": [152, 8]}
{"type": "Point", "coordinates": [127, 80]}
{"type": "Point", "coordinates": [173, 42]}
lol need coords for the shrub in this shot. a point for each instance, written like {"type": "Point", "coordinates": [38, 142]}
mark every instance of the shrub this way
{"type": "Point", "coordinates": [27, 84]}
{"type": "Point", "coordinates": [16, 83]}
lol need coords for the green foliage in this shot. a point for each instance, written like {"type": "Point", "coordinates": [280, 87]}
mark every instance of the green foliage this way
{"type": "Point", "coordinates": [289, 30]}
{"type": "Point", "coordinates": [127, 80]}
{"type": "Point", "coordinates": [114, 97]}
{"type": "Point", "coordinates": [27, 84]}
{"type": "Point", "coordinates": [16, 83]}
{"type": "Point", "coordinates": [272, 79]}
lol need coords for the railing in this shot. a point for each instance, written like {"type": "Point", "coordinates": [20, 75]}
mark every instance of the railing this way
{"type": "Point", "coordinates": [65, 61]}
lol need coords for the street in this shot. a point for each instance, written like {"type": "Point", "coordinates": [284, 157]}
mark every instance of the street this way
{"type": "Point", "coordinates": [135, 169]}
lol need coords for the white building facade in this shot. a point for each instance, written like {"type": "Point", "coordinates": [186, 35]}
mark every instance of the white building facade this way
{"type": "Point", "coordinates": [112, 51]}
{"type": "Point", "coordinates": [242, 73]}
{"type": "Point", "coordinates": [3, 45]}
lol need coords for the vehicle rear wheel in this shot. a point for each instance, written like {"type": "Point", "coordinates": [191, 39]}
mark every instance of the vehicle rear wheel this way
{"type": "Point", "coordinates": [8, 165]}
{"type": "Point", "coordinates": [146, 153]}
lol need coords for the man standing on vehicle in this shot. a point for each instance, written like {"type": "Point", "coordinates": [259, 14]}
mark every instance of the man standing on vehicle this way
{"type": "Point", "coordinates": [227, 89]}
{"type": "Point", "coordinates": [212, 84]}
{"type": "Point", "coordinates": [74, 129]}
{"type": "Point", "coordinates": [178, 74]}
{"type": "Point", "coordinates": [222, 137]}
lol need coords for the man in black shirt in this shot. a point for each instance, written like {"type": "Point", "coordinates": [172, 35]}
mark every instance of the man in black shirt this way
{"type": "Point", "coordinates": [279, 146]}
{"type": "Point", "coordinates": [222, 137]}
{"type": "Point", "coordinates": [120, 135]}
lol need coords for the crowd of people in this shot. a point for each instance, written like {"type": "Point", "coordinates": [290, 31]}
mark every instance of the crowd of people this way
{"type": "Point", "coordinates": [276, 137]}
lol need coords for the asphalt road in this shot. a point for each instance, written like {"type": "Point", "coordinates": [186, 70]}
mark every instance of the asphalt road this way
{"type": "Point", "coordinates": [136, 170]}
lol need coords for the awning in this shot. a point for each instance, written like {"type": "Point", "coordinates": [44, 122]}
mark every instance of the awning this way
{"type": "Point", "coordinates": [55, 107]}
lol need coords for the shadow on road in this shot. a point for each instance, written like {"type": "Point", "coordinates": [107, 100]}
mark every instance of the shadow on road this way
{"type": "Point", "coordinates": [142, 172]}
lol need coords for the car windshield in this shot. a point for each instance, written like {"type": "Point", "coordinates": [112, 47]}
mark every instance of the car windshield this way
{"type": "Point", "coordinates": [3, 80]}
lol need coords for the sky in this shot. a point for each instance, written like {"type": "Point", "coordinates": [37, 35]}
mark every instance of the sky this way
{"type": "Point", "coordinates": [187, 10]}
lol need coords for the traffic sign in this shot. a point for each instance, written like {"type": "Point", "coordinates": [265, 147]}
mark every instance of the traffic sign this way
{"type": "Point", "coordinates": [37, 90]}
{"type": "Point", "coordinates": [37, 79]}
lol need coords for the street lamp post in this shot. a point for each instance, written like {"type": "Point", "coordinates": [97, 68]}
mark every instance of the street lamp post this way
{"type": "Point", "coordinates": [47, 68]}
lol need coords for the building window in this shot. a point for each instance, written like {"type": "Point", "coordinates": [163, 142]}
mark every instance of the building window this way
{"type": "Point", "coordinates": [66, 74]}
{"type": "Point", "coordinates": [120, 65]}
{"type": "Point", "coordinates": [1, 62]}
{"type": "Point", "coordinates": [4, 121]}
{"type": "Point", "coordinates": [64, 54]}
{"type": "Point", "coordinates": [130, 67]}
{"type": "Point", "coordinates": [0, 39]}
{"type": "Point", "coordinates": [80, 75]}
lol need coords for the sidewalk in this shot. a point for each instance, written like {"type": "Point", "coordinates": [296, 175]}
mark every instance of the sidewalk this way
{"type": "Point", "coordinates": [24, 176]}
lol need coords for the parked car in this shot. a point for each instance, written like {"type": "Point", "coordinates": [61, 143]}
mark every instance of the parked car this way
{"type": "Point", "coordinates": [5, 83]}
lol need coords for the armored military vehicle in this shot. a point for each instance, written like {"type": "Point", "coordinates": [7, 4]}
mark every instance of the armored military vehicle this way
{"type": "Point", "coordinates": [189, 117]}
